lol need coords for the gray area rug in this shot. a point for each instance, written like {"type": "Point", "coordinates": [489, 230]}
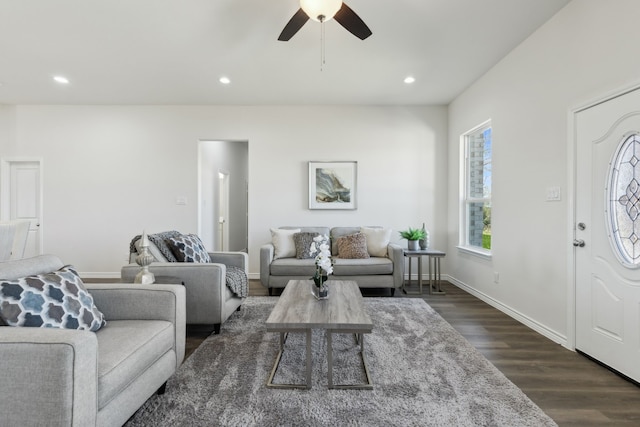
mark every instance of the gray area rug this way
{"type": "Point", "coordinates": [424, 372]}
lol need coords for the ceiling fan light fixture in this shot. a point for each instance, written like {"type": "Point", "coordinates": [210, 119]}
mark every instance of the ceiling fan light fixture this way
{"type": "Point", "coordinates": [321, 8]}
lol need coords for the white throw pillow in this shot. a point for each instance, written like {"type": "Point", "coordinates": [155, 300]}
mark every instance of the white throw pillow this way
{"type": "Point", "coordinates": [377, 240]}
{"type": "Point", "coordinates": [283, 243]}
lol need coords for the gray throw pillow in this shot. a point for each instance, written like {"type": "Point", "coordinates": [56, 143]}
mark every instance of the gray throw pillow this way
{"type": "Point", "coordinates": [303, 242]}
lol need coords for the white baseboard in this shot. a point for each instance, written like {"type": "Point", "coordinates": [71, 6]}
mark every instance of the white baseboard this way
{"type": "Point", "coordinates": [525, 320]}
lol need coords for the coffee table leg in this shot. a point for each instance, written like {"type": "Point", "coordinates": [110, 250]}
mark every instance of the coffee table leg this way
{"type": "Point", "coordinates": [329, 360]}
{"type": "Point", "coordinates": [307, 384]}
{"type": "Point", "coordinates": [308, 358]}
{"type": "Point", "coordinates": [368, 385]}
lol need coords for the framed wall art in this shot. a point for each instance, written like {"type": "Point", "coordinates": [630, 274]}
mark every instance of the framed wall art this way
{"type": "Point", "coordinates": [332, 185]}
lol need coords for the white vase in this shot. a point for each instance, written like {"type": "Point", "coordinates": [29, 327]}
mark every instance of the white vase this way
{"type": "Point", "coordinates": [424, 243]}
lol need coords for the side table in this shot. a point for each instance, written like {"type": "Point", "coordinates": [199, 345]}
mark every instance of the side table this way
{"type": "Point", "coordinates": [433, 257]}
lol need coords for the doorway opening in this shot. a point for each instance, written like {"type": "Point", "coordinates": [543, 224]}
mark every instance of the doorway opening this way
{"type": "Point", "coordinates": [223, 195]}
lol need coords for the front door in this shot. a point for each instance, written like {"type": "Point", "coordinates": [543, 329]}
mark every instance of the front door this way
{"type": "Point", "coordinates": [607, 233]}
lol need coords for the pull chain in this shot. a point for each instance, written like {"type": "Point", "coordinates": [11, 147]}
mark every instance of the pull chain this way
{"type": "Point", "coordinates": [322, 41]}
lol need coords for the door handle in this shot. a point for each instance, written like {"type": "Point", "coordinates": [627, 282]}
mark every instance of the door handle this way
{"type": "Point", "coordinates": [578, 243]}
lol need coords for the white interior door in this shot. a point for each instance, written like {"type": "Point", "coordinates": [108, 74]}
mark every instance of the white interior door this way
{"type": "Point", "coordinates": [23, 200]}
{"type": "Point", "coordinates": [607, 233]}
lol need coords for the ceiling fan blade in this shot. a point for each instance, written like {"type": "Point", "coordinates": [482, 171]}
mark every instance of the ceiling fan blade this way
{"type": "Point", "coordinates": [295, 23]}
{"type": "Point", "coordinates": [352, 22]}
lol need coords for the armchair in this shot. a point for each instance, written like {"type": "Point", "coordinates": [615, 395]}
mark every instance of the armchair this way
{"type": "Point", "coordinates": [209, 300]}
{"type": "Point", "coordinates": [64, 377]}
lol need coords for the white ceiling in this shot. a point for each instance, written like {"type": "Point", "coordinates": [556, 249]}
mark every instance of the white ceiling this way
{"type": "Point", "coordinates": [174, 52]}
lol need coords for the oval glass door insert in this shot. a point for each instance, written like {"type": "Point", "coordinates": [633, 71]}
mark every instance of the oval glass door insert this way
{"type": "Point", "coordinates": [623, 199]}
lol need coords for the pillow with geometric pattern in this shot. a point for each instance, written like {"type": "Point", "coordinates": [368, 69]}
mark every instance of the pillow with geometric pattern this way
{"type": "Point", "coordinates": [188, 248]}
{"type": "Point", "coordinates": [51, 300]}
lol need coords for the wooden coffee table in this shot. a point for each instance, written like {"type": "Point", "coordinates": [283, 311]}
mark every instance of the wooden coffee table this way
{"type": "Point", "coordinates": [298, 311]}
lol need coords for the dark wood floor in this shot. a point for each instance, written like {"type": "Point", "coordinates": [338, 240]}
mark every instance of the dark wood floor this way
{"type": "Point", "coordinates": [570, 388]}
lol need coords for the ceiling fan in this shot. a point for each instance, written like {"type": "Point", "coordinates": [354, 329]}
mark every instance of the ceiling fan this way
{"type": "Point", "coordinates": [322, 11]}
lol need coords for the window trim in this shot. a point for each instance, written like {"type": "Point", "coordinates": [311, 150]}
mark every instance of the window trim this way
{"type": "Point", "coordinates": [463, 239]}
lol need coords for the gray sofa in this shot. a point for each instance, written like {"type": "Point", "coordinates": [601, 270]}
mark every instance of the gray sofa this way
{"type": "Point", "coordinates": [209, 300]}
{"type": "Point", "coordinates": [64, 377]}
{"type": "Point", "coordinates": [373, 272]}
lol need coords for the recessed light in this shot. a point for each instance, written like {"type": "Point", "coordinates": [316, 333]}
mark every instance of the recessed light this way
{"type": "Point", "coordinates": [225, 80]}
{"type": "Point", "coordinates": [61, 79]}
{"type": "Point", "coordinates": [409, 79]}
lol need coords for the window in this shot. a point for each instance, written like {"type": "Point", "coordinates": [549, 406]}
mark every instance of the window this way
{"type": "Point", "coordinates": [475, 211]}
{"type": "Point", "coordinates": [623, 210]}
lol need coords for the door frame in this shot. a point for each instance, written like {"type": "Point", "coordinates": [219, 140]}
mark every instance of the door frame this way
{"type": "Point", "coordinates": [5, 190]}
{"type": "Point", "coordinates": [572, 167]}
{"type": "Point", "coordinates": [201, 186]}
{"type": "Point", "coordinates": [223, 208]}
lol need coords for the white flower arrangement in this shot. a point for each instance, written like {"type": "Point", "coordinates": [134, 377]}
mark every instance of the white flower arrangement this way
{"type": "Point", "coordinates": [320, 246]}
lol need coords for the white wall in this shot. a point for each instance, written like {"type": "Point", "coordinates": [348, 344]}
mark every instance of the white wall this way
{"type": "Point", "coordinates": [7, 127]}
{"type": "Point", "coordinates": [588, 49]}
{"type": "Point", "coordinates": [111, 171]}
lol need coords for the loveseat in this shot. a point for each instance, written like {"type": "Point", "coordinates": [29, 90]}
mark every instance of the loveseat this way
{"type": "Point", "coordinates": [210, 299]}
{"type": "Point", "coordinates": [281, 261]}
{"type": "Point", "coordinates": [64, 377]}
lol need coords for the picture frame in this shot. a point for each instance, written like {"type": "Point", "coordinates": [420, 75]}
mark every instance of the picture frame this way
{"type": "Point", "coordinates": [333, 185]}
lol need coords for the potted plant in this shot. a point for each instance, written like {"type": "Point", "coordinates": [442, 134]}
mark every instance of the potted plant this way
{"type": "Point", "coordinates": [324, 265]}
{"type": "Point", "coordinates": [413, 235]}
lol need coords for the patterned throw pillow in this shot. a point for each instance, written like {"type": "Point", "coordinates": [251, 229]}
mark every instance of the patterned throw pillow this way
{"type": "Point", "coordinates": [353, 246]}
{"type": "Point", "coordinates": [303, 241]}
{"type": "Point", "coordinates": [160, 240]}
{"type": "Point", "coordinates": [51, 300]}
{"type": "Point", "coordinates": [188, 248]}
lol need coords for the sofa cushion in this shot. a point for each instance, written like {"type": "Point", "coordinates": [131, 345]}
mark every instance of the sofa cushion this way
{"type": "Point", "coordinates": [377, 240]}
{"type": "Point", "coordinates": [353, 246]}
{"type": "Point", "coordinates": [293, 267]}
{"type": "Point", "coordinates": [188, 248]}
{"type": "Point", "coordinates": [362, 267]}
{"type": "Point", "coordinates": [283, 243]}
{"type": "Point", "coordinates": [127, 349]}
{"type": "Point", "coordinates": [51, 300]}
{"type": "Point", "coordinates": [302, 242]}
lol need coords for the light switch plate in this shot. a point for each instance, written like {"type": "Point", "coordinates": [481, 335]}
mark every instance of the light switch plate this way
{"type": "Point", "coordinates": [553, 194]}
